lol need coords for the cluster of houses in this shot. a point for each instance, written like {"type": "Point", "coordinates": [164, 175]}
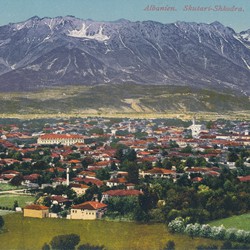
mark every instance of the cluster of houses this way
{"type": "Point", "coordinates": [148, 138]}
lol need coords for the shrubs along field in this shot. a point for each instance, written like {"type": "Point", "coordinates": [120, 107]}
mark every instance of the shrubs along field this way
{"type": "Point", "coordinates": [179, 225]}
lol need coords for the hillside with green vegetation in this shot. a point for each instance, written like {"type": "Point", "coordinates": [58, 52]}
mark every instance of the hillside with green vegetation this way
{"type": "Point", "coordinates": [125, 98]}
{"type": "Point", "coordinates": [29, 233]}
{"type": "Point", "coordinates": [239, 222]}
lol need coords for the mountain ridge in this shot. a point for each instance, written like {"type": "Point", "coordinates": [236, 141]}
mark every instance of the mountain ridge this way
{"type": "Point", "coordinates": [44, 52]}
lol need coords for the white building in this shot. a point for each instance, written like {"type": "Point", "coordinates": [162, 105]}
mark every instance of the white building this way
{"type": "Point", "coordinates": [64, 139]}
{"type": "Point", "coordinates": [196, 128]}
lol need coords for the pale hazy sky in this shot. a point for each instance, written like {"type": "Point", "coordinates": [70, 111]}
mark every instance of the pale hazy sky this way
{"type": "Point", "coordinates": [134, 10]}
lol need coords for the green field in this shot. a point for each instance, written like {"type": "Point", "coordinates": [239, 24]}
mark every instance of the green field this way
{"type": "Point", "coordinates": [7, 200]}
{"type": "Point", "coordinates": [28, 233]}
{"type": "Point", "coordinates": [240, 222]}
{"type": "Point", "coordinates": [4, 212]}
{"type": "Point", "coordinates": [6, 187]}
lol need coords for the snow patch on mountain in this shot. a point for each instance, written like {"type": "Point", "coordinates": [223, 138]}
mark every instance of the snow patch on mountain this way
{"type": "Point", "coordinates": [246, 37]}
{"type": "Point", "coordinates": [82, 33]}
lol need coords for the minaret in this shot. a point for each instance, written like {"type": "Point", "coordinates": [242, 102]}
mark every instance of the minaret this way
{"type": "Point", "coordinates": [129, 127]}
{"type": "Point", "coordinates": [67, 183]}
{"type": "Point", "coordinates": [194, 120]}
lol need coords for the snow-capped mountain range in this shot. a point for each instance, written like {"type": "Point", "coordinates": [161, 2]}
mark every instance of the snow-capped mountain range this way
{"type": "Point", "coordinates": [45, 52]}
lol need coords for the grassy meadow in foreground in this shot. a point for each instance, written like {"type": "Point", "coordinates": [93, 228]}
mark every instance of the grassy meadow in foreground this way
{"type": "Point", "coordinates": [28, 233]}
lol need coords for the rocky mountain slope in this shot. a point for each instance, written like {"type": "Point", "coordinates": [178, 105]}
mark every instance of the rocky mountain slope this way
{"type": "Point", "coordinates": [46, 52]}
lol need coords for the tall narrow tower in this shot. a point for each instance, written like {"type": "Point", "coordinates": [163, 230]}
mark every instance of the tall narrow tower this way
{"type": "Point", "coordinates": [129, 127]}
{"type": "Point", "coordinates": [194, 119]}
{"type": "Point", "coordinates": [67, 183]}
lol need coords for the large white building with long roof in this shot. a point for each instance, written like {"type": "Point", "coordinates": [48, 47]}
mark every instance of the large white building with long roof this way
{"type": "Point", "coordinates": [63, 139]}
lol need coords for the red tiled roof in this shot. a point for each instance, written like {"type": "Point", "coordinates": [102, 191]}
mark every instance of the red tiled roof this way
{"type": "Point", "coordinates": [74, 185]}
{"type": "Point", "coordinates": [90, 205]}
{"type": "Point", "coordinates": [59, 198]}
{"type": "Point", "coordinates": [36, 207]}
{"type": "Point", "coordinates": [118, 180]}
{"type": "Point", "coordinates": [121, 192]}
{"type": "Point", "coordinates": [198, 169]}
{"type": "Point", "coordinates": [93, 181]}
{"type": "Point", "coordinates": [244, 178]}
{"type": "Point", "coordinates": [213, 173]}
{"type": "Point", "coordinates": [52, 170]}
{"type": "Point", "coordinates": [11, 172]}
{"type": "Point", "coordinates": [7, 177]}
{"type": "Point", "coordinates": [74, 161]}
{"type": "Point", "coordinates": [61, 136]}
{"type": "Point", "coordinates": [31, 177]}
{"type": "Point", "coordinates": [160, 171]}
{"type": "Point", "coordinates": [87, 173]}
{"type": "Point", "coordinates": [197, 179]}
{"type": "Point", "coordinates": [59, 179]}
{"type": "Point", "coordinates": [101, 163]}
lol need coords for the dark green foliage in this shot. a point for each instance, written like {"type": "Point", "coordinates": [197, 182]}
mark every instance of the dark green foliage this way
{"type": "Point", "coordinates": [87, 246]}
{"type": "Point", "coordinates": [15, 205]}
{"type": "Point", "coordinates": [170, 245]}
{"type": "Point", "coordinates": [187, 149]}
{"type": "Point", "coordinates": [46, 246]}
{"type": "Point", "coordinates": [103, 174]}
{"type": "Point", "coordinates": [226, 245]}
{"type": "Point", "coordinates": [1, 222]}
{"type": "Point", "coordinates": [122, 205]}
{"type": "Point", "coordinates": [125, 154]}
{"type": "Point", "coordinates": [56, 208]}
{"type": "Point", "coordinates": [133, 173]}
{"type": "Point", "coordinates": [65, 242]}
{"type": "Point", "coordinates": [232, 156]}
{"type": "Point", "coordinates": [212, 247]}
{"type": "Point", "coordinates": [16, 180]}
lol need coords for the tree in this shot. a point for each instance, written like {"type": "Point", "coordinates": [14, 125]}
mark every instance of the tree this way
{"type": "Point", "coordinates": [87, 161]}
{"type": "Point", "coordinates": [103, 174]}
{"type": "Point", "coordinates": [226, 245]}
{"type": "Point", "coordinates": [113, 166]}
{"type": "Point", "coordinates": [133, 173]}
{"type": "Point", "coordinates": [190, 162]}
{"type": "Point", "coordinates": [170, 245]}
{"type": "Point", "coordinates": [202, 247]}
{"type": "Point", "coordinates": [232, 157]}
{"type": "Point", "coordinates": [239, 163]}
{"type": "Point", "coordinates": [46, 246]}
{"type": "Point", "coordinates": [187, 149]}
{"type": "Point", "coordinates": [173, 144]}
{"type": "Point", "coordinates": [1, 222]}
{"type": "Point", "coordinates": [130, 155]}
{"type": "Point", "coordinates": [87, 246]}
{"type": "Point", "coordinates": [200, 162]}
{"type": "Point", "coordinates": [166, 163]}
{"type": "Point", "coordinates": [56, 208]}
{"type": "Point", "coordinates": [15, 205]}
{"type": "Point", "coordinates": [209, 124]}
{"type": "Point", "coordinates": [16, 180]}
{"type": "Point", "coordinates": [122, 205]}
{"type": "Point", "coordinates": [65, 242]}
